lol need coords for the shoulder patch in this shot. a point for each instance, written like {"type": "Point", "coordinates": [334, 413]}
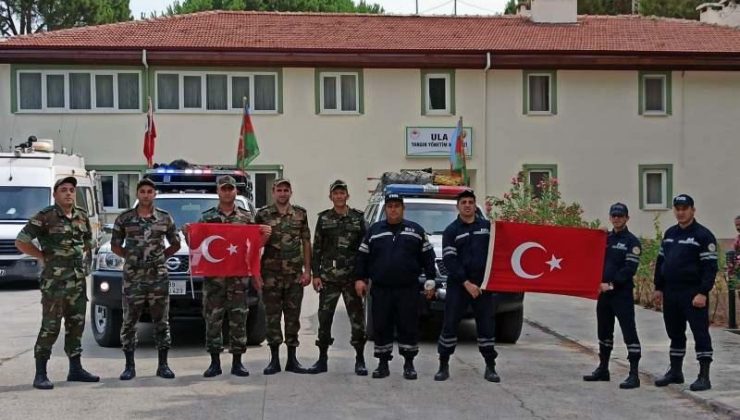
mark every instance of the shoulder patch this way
{"type": "Point", "coordinates": [712, 247]}
{"type": "Point", "coordinates": [636, 250]}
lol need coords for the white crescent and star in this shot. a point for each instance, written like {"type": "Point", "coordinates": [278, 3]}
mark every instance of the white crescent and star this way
{"type": "Point", "coordinates": [516, 260]}
{"type": "Point", "coordinates": [204, 249]}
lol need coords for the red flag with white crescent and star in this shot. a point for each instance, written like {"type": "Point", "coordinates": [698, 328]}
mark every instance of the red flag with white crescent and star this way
{"type": "Point", "coordinates": [546, 259]}
{"type": "Point", "coordinates": [224, 250]}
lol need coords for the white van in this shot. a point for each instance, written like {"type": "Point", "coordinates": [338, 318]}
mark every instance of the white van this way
{"type": "Point", "coordinates": [27, 176]}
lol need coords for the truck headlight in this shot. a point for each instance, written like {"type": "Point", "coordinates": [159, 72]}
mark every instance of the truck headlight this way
{"type": "Point", "coordinates": [109, 261]}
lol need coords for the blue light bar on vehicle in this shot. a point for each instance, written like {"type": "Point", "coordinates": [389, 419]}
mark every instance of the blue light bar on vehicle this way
{"type": "Point", "coordinates": [427, 190]}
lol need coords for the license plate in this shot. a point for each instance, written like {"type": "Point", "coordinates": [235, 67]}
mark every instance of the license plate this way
{"type": "Point", "coordinates": [178, 287]}
{"type": "Point", "coordinates": [2, 272]}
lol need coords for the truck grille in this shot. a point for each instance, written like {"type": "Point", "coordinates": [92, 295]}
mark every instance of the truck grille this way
{"type": "Point", "coordinates": [178, 264]}
{"type": "Point", "coordinates": [7, 247]}
{"type": "Point", "coordinates": [441, 268]}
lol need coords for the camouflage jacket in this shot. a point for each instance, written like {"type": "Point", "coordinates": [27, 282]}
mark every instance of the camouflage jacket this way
{"type": "Point", "coordinates": [284, 249]}
{"type": "Point", "coordinates": [239, 216]}
{"type": "Point", "coordinates": [143, 237]}
{"type": "Point", "coordinates": [336, 239]}
{"type": "Point", "coordinates": [63, 241]}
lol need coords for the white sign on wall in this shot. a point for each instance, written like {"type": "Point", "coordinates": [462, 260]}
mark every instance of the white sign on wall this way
{"type": "Point", "coordinates": [435, 141]}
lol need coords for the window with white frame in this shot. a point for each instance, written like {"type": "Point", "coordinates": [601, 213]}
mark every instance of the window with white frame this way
{"type": "Point", "coordinates": [340, 92]}
{"type": "Point", "coordinates": [437, 91]}
{"type": "Point", "coordinates": [78, 91]}
{"type": "Point", "coordinates": [119, 189]}
{"type": "Point", "coordinates": [216, 91]}
{"type": "Point", "coordinates": [539, 97]}
{"type": "Point", "coordinates": [654, 94]}
{"type": "Point", "coordinates": [655, 187]}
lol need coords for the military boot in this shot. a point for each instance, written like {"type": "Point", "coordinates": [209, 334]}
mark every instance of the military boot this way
{"type": "Point", "coordinates": [322, 364]}
{"type": "Point", "coordinates": [601, 373]}
{"type": "Point", "coordinates": [360, 368]}
{"type": "Point", "coordinates": [292, 364]}
{"type": "Point", "coordinates": [163, 370]}
{"type": "Point", "coordinates": [409, 372]}
{"type": "Point", "coordinates": [490, 375]}
{"type": "Point", "coordinates": [41, 381]}
{"type": "Point", "coordinates": [77, 373]}
{"type": "Point", "coordinates": [215, 367]}
{"type": "Point", "coordinates": [129, 372]}
{"type": "Point", "coordinates": [633, 379]}
{"type": "Point", "coordinates": [274, 366]}
{"type": "Point", "coordinates": [444, 369]}
{"type": "Point", "coordinates": [382, 371]}
{"type": "Point", "coordinates": [702, 383]}
{"type": "Point", "coordinates": [674, 374]}
{"type": "Point", "coordinates": [237, 368]}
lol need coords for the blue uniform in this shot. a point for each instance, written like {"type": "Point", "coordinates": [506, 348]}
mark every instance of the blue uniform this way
{"type": "Point", "coordinates": [464, 253]}
{"type": "Point", "coordinates": [621, 260]}
{"type": "Point", "coordinates": [393, 257]}
{"type": "Point", "coordinates": [686, 266]}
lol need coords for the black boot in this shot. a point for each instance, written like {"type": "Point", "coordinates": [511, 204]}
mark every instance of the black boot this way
{"type": "Point", "coordinates": [322, 364]}
{"type": "Point", "coordinates": [41, 381]}
{"type": "Point", "coordinates": [674, 374]}
{"type": "Point", "coordinates": [633, 379]}
{"type": "Point", "coordinates": [601, 373]}
{"type": "Point", "coordinates": [360, 368]}
{"type": "Point", "coordinates": [702, 383]}
{"type": "Point", "coordinates": [444, 369]}
{"type": "Point", "coordinates": [382, 371]}
{"type": "Point", "coordinates": [215, 368]}
{"type": "Point", "coordinates": [409, 372]}
{"type": "Point", "coordinates": [129, 372]}
{"type": "Point", "coordinates": [163, 370]}
{"type": "Point", "coordinates": [292, 364]}
{"type": "Point", "coordinates": [490, 375]}
{"type": "Point", "coordinates": [274, 366]}
{"type": "Point", "coordinates": [77, 373]}
{"type": "Point", "coordinates": [237, 368]}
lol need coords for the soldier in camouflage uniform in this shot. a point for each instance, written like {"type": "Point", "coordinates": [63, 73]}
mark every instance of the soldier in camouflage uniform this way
{"type": "Point", "coordinates": [339, 232]}
{"type": "Point", "coordinates": [227, 294]}
{"type": "Point", "coordinates": [64, 233]}
{"type": "Point", "coordinates": [286, 270]}
{"type": "Point", "coordinates": [138, 237]}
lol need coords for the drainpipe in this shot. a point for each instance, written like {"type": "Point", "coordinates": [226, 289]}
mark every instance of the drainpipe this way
{"type": "Point", "coordinates": [146, 69]}
{"type": "Point", "coordinates": [484, 143]}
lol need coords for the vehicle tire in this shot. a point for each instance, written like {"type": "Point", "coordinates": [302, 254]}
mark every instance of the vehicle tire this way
{"type": "Point", "coordinates": [106, 325]}
{"type": "Point", "coordinates": [369, 318]}
{"type": "Point", "coordinates": [509, 326]}
{"type": "Point", "coordinates": [256, 324]}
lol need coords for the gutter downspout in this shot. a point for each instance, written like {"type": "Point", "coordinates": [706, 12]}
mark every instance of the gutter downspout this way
{"type": "Point", "coordinates": [484, 172]}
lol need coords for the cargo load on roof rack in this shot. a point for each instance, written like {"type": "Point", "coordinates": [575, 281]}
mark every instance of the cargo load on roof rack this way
{"type": "Point", "coordinates": [417, 177]}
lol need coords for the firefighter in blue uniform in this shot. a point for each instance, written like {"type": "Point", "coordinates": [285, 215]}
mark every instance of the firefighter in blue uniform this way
{"type": "Point", "coordinates": [393, 254]}
{"type": "Point", "coordinates": [616, 300]}
{"type": "Point", "coordinates": [464, 253]}
{"type": "Point", "coordinates": [684, 276]}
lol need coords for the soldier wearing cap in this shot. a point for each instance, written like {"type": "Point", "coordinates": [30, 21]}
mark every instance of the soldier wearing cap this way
{"type": "Point", "coordinates": [339, 231]}
{"type": "Point", "coordinates": [286, 270]}
{"type": "Point", "coordinates": [684, 276]}
{"type": "Point", "coordinates": [621, 260]}
{"type": "Point", "coordinates": [64, 234]}
{"type": "Point", "coordinates": [223, 295]}
{"type": "Point", "coordinates": [138, 237]}
{"type": "Point", "coordinates": [465, 253]}
{"type": "Point", "coordinates": [394, 253]}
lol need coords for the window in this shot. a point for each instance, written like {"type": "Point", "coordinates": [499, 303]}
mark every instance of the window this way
{"type": "Point", "coordinates": [339, 93]}
{"type": "Point", "coordinates": [217, 91]}
{"type": "Point", "coordinates": [78, 91]}
{"type": "Point", "coordinates": [656, 184]}
{"type": "Point", "coordinates": [655, 93]}
{"type": "Point", "coordinates": [84, 199]}
{"type": "Point", "coordinates": [536, 175]}
{"type": "Point", "coordinates": [438, 93]}
{"type": "Point", "coordinates": [119, 189]}
{"type": "Point", "coordinates": [539, 93]}
{"type": "Point", "coordinates": [263, 187]}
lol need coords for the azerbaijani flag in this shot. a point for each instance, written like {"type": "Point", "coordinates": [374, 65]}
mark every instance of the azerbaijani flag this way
{"type": "Point", "coordinates": [457, 153]}
{"type": "Point", "coordinates": [247, 149]}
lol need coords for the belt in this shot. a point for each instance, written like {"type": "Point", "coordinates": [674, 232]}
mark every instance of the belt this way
{"type": "Point", "coordinates": [67, 263]}
{"type": "Point", "coordinates": [146, 265]}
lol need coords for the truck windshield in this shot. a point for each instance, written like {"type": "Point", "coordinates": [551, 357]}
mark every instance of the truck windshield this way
{"type": "Point", "coordinates": [433, 217]}
{"type": "Point", "coordinates": [20, 203]}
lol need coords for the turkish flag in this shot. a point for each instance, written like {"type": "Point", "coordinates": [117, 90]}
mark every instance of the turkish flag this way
{"type": "Point", "coordinates": [546, 259]}
{"type": "Point", "coordinates": [224, 250]}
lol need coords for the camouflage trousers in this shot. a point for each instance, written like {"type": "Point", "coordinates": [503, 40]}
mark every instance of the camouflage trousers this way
{"type": "Point", "coordinates": [222, 296]}
{"type": "Point", "coordinates": [61, 299]}
{"type": "Point", "coordinates": [282, 295]}
{"type": "Point", "coordinates": [328, 299]}
{"type": "Point", "coordinates": [149, 288]}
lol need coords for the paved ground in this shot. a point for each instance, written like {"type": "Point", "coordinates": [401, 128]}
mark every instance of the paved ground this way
{"type": "Point", "coordinates": [541, 379]}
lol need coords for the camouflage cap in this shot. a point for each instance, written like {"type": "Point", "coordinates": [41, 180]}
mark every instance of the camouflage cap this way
{"type": "Point", "coordinates": [280, 181]}
{"type": "Point", "coordinates": [337, 184]}
{"type": "Point", "coordinates": [226, 180]}
{"type": "Point", "coordinates": [66, 180]}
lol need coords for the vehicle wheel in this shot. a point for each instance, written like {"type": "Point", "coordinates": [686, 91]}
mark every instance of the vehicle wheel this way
{"type": "Point", "coordinates": [106, 325]}
{"type": "Point", "coordinates": [509, 326]}
{"type": "Point", "coordinates": [256, 324]}
{"type": "Point", "coordinates": [369, 318]}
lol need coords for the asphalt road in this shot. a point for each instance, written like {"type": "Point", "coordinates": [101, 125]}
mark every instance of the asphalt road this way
{"type": "Point", "coordinates": [541, 379]}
